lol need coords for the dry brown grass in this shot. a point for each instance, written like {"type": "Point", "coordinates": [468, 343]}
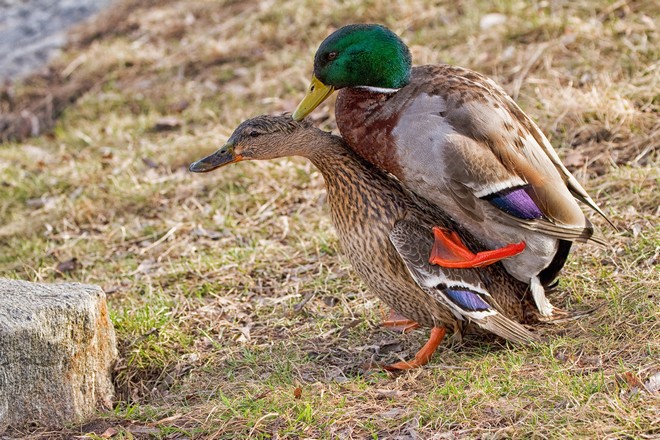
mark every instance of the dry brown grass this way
{"type": "Point", "coordinates": [207, 276]}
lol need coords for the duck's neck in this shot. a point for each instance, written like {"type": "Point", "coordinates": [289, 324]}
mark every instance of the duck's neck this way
{"type": "Point", "coordinates": [348, 177]}
{"type": "Point", "coordinates": [361, 197]}
{"type": "Point", "coordinates": [340, 166]}
{"type": "Point", "coordinates": [329, 153]}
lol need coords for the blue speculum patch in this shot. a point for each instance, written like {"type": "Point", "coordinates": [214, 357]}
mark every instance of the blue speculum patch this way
{"type": "Point", "coordinates": [517, 202]}
{"type": "Point", "coordinates": [467, 299]}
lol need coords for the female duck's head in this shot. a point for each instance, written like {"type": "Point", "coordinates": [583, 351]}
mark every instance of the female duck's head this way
{"type": "Point", "coordinates": [357, 55]}
{"type": "Point", "coordinates": [263, 137]}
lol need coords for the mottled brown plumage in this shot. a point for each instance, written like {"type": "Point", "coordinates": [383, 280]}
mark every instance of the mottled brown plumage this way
{"type": "Point", "coordinates": [385, 231]}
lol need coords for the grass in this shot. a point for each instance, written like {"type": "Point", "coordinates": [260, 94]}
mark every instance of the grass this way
{"type": "Point", "coordinates": [206, 276]}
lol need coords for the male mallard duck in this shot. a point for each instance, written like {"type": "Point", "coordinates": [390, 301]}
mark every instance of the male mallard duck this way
{"type": "Point", "coordinates": [385, 232]}
{"type": "Point", "coordinates": [455, 138]}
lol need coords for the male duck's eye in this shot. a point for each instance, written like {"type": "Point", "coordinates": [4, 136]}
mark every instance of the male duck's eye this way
{"type": "Point", "coordinates": [332, 56]}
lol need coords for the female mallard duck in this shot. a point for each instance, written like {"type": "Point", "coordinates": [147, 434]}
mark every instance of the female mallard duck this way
{"type": "Point", "coordinates": [455, 138]}
{"type": "Point", "coordinates": [385, 232]}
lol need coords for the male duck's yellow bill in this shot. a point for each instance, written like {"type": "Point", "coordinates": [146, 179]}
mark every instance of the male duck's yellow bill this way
{"type": "Point", "coordinates": [316, 94]}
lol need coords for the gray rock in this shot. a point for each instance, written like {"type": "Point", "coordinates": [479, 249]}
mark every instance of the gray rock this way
{"type": "Point", "coordinates": [57, 347]}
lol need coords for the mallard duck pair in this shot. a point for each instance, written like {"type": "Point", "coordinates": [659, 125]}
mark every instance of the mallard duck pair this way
{"type": "Point", "coordinates": [471, 167]}
{"type": "Point", "coordinates": [385, 231]}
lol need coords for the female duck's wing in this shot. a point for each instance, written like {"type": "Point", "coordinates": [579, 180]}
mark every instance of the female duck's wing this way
{"type": "Point", "coordinates": [490, 150]}
{"type": "Point", "coordinates": [461, 291]}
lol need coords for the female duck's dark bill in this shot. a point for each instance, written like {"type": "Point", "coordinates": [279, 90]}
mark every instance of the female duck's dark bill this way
{"type": "Point", "coordinates": [223, 156]}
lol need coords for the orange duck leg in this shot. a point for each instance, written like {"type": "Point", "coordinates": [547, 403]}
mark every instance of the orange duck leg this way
{"type": "Point", "coordinates": [423, 355]}
{"type": "Point", "coordinates": [450, 252]}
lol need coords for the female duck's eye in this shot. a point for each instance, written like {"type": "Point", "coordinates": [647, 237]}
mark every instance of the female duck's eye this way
{"type": "Point", "coordinates": [254, 133]}
{"type": "Point", "coordinates": [332, 56]}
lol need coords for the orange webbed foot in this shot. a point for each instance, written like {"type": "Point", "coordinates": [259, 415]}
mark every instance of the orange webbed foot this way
{"type": "Point", "coordinates": [449, 251]}
{"type": "Point", "coordinates": [423, 355]}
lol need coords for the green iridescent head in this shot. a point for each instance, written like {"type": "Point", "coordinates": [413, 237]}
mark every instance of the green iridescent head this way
{"type": "Point", "coordinates": [357, 55]}
{"type": "Point", "coordinates": [363, 55]}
